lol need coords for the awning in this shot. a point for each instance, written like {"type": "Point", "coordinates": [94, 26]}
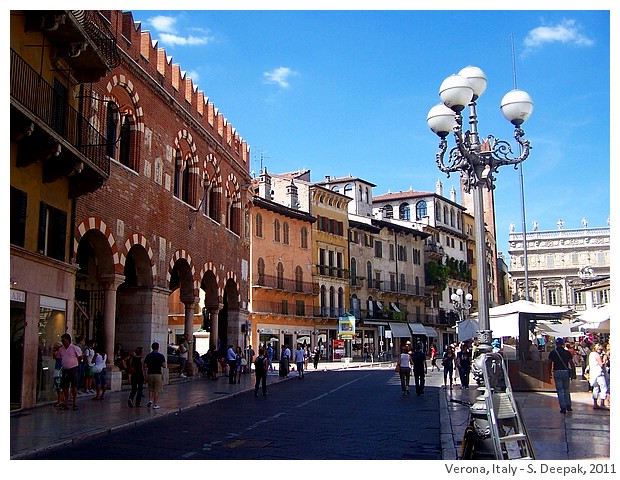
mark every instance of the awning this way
{"type": "Point", "coordinates": [400, 330]}
{"type": "Point", "coordinates": [379, 306]}
{"type": "Point", "coordinates": [375, 322]}
{"type": "Point", "coordinates": [430, 331]}
{"type": "Point", "coordinates": [417, 329]}
{"type": "Point", "coordinates": [394, 307]}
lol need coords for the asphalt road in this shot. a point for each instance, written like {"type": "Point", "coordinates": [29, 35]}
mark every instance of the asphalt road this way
{"type": "Point", "coordinates": [339, 415]}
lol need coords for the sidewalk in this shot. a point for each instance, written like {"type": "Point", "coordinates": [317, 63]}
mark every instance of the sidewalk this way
{"type": "Point", "coordinates": [582, 434]}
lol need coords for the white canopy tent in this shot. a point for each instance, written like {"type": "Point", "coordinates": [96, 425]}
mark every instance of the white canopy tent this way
{"type": "Point", "coordinates": [596, 319]}
{"type": "Point", "coordinates": [466, 329]}
{"type": "Point", "coordinates": [511, 319]}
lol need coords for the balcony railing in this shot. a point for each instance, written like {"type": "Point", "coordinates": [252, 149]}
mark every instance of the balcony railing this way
{"type": "Point", "coordinates": [280, 308]}
{"type": "Point", "coordinates": [32, 91]}
{"type": "Point", "coordinates": [279, 283]}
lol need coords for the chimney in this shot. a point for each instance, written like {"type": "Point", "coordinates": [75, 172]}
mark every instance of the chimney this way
{"type": "Point", "coordinates": [264, 185]}
{"type": "Point", "coordinates": [439, 188]}
{"type": "Point", "coordinates": [292, 200]}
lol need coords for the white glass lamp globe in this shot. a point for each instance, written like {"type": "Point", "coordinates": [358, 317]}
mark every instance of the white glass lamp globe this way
{"type": "Point", "coordinates": [477, 79]}
{"type": "Point", "coordinates": [454, 297]}
{"type": "Point", "coordinates": [441, 120]}
{"type": "Point", "coordinates": [459, 292]}
{"type": "Point", "coordinates": [517, 106]}
{"type": "Point", "coordinates": [456, 92]}
{"type": "Point", "coordinates": [469, 297]}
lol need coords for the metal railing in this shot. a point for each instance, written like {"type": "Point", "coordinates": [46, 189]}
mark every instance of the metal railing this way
{"type": "Point", "coordinates": [32, 91]}
{"type": "Point", "coordinates": [286, 284]}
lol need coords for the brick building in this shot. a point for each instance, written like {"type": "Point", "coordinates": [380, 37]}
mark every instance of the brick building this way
{"type": "Point", "coordinates": [170, 224]}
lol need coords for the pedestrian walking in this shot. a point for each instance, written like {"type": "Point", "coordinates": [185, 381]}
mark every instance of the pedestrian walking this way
{"type": "Point", "coordinates": [420, 369]}
{"type": "Point", "coordinates": [89, 353]}
{"type": "Point", "coordinates": [155, 362]}
{"type": "Point", "coordinates": [598, 380]}
{"type": "Point", "coordinates": [448, 365]}
{"type": "Point", "coordinates": [285, 357]}
{"type": "Point", "coordinates": [135, 369]}
{"type": "Point", "coordinates": [184, 348]}
{"type": "Point", "coordinates": [269, 355]}
{"type": "Point", "coordinates": [231, 361]}
{"type": "Point", "coordinates": [584, 351]}
{"type": "Point", "coordinates": [101, 373]}
{"type": "Point", "coordinates": [561, 366]}
{"type": "Point", "coordinates": [434, 358]}
{"type": "Point", "coordinates": [261, 365]}
{"type": "Point", "coordinates": [60, 399]}
{"type": "Point", "coordinates": [404, 369]}
{"type": "Point", "coordinates": [239, 364]}
{"type": "Point", "coordinates": [463, 364]}
{"type": "Point", "coordinates": [316, 357]}
{"type": "Point", "coordinates": [70, 356]}
{"type": "Point", "coordinates": [300, 355]}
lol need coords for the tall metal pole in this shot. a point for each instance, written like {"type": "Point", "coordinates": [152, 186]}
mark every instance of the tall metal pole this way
{"type": "Point", "coordinates": [484, 323]}
{"type": "Point", "coordinates": [522, 191]}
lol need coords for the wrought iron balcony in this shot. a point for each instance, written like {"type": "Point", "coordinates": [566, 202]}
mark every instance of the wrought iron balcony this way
{"type": "Point", "coordinates": [50, 130]}
{"type": "Point", "coordinates": [285, 284]}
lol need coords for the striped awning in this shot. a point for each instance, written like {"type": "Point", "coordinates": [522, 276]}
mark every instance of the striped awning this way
{"type": "Point", "coordinates": [400, 330]}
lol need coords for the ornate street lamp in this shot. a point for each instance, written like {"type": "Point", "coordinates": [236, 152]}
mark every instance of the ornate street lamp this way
{"type": "Point", "coordinates": [461, 307]}
{"type": "Point", "coordinates": [477, 161]}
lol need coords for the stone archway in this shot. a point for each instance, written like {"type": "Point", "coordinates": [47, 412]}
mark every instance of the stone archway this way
{"type": "Point", "coordinates": [96, 282]}
{"type": "Point", "coordinates": [136, 300]}
{"type": "Point", "coordinates": [210, 304]}
{"type": "Point", "coordinates": [229, 319]}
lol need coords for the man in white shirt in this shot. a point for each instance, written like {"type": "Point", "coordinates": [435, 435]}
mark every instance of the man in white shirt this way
{"type": "Point", "coordinates": [299, 360]}
{"type": "Point", "coordinates": [71, 355]}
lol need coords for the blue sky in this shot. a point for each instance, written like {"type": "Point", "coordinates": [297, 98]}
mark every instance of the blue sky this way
{"type": "Point", "coordinates": [347, 92]}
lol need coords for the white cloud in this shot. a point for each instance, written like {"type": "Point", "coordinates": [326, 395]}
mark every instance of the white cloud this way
{"type": "Point", "coordinates": [167, 31]}
{"type": "Point", "coordinates": [566, 32]}
{"type": "Point", "coordinates": [162, 23]}
{"type": "Point", "coordinates": [279, 76]}
{"type": "Point", "coordinates": [171, 39]}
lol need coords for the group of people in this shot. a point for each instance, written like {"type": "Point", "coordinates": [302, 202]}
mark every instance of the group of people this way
{"type": "Point", "coordinates": [457, 358]}
{"type": "Point", "coordinates": [409, 361]}
{"type": "Point", "coordinates": [595, 367]}
{"type": "Point", "coordinates": [80, 365]}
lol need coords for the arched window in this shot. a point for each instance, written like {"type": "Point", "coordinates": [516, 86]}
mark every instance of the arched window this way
{"type": "Point", "coordinates": [299, 279]}
{"type": "Point", "coordinates": [111, 119]}
{"type": "Point", "coordinates": [452, 217]}
{"type": "Point", "coordinates": [336, 189]}
{"type": "Point", "coordinates": [417, 285]}
{"type": "Point", "coordinates": [323, 301]}
{"type": "Point", "coordinates": [437, 212]}
{"type": "Point", "coordinates": [285, 230]}
{"type": "Point", "coordinates": [332, 302]}
{"type": "Point", "coordinates": [445, 215]}
{"type": "Point", "coordinates": [280, 275]}
{"type": "Point", "coordinates": [369, 274]}
{"type": "Point", "coordinates": [124, 154]}
{"type": "Point", "coordinates": [259, 225]}
{"type": "Point", "coordinates": [186, 182]}
{"type": "Point", "coordinates": [367, 196]}
{"type": "Point", "coordinates": [403, 211]}
{"type": "Point", "coordinates": [353, 271]}
{"type": "Point", "coordinates": [234, 219]}
{"type": "Point", "coordinates": [420, 210]}
{"type": "Point", "coordinates": [348, 189]}
{"type": "Point", "coordinates": [261, 271]}
{"type": "Point", "coordinates": [340, 301]}
{"type": "Point", "coordinates": [403, 284]}
{"type": "Point", "coordinates": [388, 211]}
{"type": "Point", "coordinates": [276, 230]}
{"type": "Point", "coordinates": [214, 195]}
{"type": "Point", "coordinates": [304, 237]}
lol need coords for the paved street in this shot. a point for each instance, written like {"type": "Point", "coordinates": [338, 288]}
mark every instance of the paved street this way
{"type": "Point", "coordinates": [358, 414]}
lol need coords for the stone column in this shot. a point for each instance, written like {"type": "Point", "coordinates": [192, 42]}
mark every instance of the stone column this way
{"type": "Point", "coordinates": [189, 329]}
{"type": "Point", "coordinates": [213, 319]}
{"type": "Point", "coordinates": [111, 284]}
